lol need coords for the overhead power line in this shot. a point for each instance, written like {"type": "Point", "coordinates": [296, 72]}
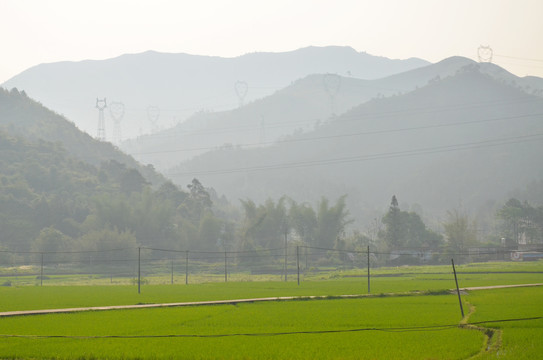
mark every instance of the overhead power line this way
{"type": "Point", "coordinates": [519, 58]}
{"type": "Point", "coordinates": [351, 117]}
{"type": "Point", "coordinates": [360, 158]}
{"type": "Point", "coordinates": [361, 133]}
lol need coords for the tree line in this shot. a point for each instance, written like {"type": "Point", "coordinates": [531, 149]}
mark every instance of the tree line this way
{"type": "Point", "coordinates": [50, 202]}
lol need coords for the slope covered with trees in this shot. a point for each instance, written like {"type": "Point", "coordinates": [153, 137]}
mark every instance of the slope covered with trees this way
{"type": "Point", "coordinates": [467, 138]}
{"type": "Point", "coordinates": [54, 198]}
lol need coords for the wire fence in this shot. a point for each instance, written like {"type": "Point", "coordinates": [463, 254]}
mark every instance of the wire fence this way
{"type": "Point", "coordinates": [145, 265]}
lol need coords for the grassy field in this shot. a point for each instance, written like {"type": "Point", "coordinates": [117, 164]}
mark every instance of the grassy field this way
{"type": "Point", "coordinates": [209, 329]}
{"type": "Point", "coordinates": [412, 324]}
{"type": "Point", "coordinates": [512, 339]}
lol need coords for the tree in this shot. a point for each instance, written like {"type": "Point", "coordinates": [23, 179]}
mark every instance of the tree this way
{"type": "Point", "coordinates": [252, 220]}
{"type": "Point", "coordinates": [392, 223]}
{"type": "Point", "coordinates": [132, 181]}
{"type": "Point", "coordinates": [209, 233]}
{"type": "Point", "coordinates": [303, 221]}
{"type": "Point", "coordinates": [522, 223]}
{"type": "Point", "coordinates": [331, 222]}
{"type": "Point", "coordinates": [52, 240]}
{"type": "Point", "coordinates": [406, 229]}
{"type": "Point", "coordinates": [460, 232]}
{"type": "Point", "coordinates": [108, 245]}
{"type": "Point", "coordinates": [168, 192]}
{"type": "Point", "coordinates": [197, 203]}
{"type": "Point", "coordinates": [265, 225]}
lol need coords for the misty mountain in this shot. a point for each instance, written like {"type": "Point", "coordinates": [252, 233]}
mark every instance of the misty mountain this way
{"type": "Point", "coordinates": [160, 90]}
{"type": "Point", "coordinates": [23, 117]}
{"type": "Point", "coordinates": [298, 108]}
{"type": "Point", "coordinates": [464, 140]}
{"type": "Point", "coordinates": [59, 187]}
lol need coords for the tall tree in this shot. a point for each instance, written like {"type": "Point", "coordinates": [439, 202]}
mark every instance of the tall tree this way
{"type": "Point", "coordinates": [392, 222]}
{"type": "Point", "coordinates": [197, 203]}
{"type": "Point", "coordinates": [303, 221]}
{"type": "Point", "coordinates": [331, 222]}
{"type": "Point", "coordinates": [406, 229]}
{"type": "Point", "coordinates": [460, 232]}
{"type": "Point", "coordinates": [522, 223]}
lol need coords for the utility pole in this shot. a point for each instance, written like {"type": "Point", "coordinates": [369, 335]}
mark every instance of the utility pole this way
{"type": "Point", "coordinates": [139, 270]}
{"type": "Point", "coordinates": [285, 266]}
{"type": "Point", "coordinates": [186, 267]}
{"type": "Point", "coordinates": [298, 262]}
{"type": "Point", "coordinates": [458, 290]}
{"type": "Point", "coordinates": [41, 271]}
{"type": "Point", "coordinates": [368, 269]}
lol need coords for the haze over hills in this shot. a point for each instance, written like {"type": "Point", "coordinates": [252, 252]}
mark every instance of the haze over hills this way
{"type": "Point", "coordinates": [439, 135]}
{"type": "Point", "coordinates": [300, 107]}
{"type": "Point", "coordinates": [62, 190]}
{"type": "Point", "coordinates": [23, 117]}
{"type": "Point", "coordinates": [462, 140]}
{"type": "Point", "coordinates": [181, 84]}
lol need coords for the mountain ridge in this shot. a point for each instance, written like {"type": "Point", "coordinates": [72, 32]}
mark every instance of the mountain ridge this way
{"type": "Point", "coordinates": [181, 84]}
{"type": "Point", "coordinates": [298, 107]}
{"type": "Point", "coordinates": [370, 147]}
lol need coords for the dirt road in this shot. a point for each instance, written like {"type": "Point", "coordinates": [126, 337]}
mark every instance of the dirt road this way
{"type": "Point", "coordinates": [216, 302]}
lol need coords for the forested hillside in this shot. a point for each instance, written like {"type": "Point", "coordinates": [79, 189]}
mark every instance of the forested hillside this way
{"type": "Point", "coordinates": [62, 190]}
{"type": "Point", "coordinates": [23, 116]}
{"type": "Point", "coordinates": [55, 198]}
{"type": "Point", "coordinates": [464, 140]}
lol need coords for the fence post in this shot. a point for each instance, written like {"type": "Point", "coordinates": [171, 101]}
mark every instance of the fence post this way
{"type": "Point", "coordinates": [457, 289]}
{"type": "Point", "coordinates": [368, 269]}
{"type": "Point", "coordinates": [172, 272]}
{"type": "Point", "coordinates": [225, 269]}
{"type": "Point", "coordinates": [41, 271]}
{"type": "Point", "coordinates": [285, 266]}
{"type": "Point", "coordinates": [139, 270]}
{"type": "Point", "coordinates": [186, 267]}
{"type": "Point", "coordinates": [298, 262]}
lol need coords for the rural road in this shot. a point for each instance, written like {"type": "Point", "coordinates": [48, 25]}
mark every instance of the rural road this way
{"type": "Point", "coordinates": [214, 302]}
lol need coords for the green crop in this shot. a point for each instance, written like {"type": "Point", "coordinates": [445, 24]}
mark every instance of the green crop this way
{"type": "Point", "coordinates": [519, 339]}
{"type": "Point", "coordinates": [372, 328]}
{"type": "Point", "coordinates": [410, 315]}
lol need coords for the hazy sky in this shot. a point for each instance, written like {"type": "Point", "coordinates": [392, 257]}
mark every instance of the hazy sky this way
{"type": "Point", "coordinates": [41, 31]}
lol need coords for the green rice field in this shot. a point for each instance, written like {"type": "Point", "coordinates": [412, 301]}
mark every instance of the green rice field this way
{"type": "Point", "coordinates": [410, 314]}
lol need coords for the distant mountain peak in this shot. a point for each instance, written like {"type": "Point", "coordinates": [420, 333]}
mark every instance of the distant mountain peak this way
{"type": "Point", "coordinates": [182, 84]}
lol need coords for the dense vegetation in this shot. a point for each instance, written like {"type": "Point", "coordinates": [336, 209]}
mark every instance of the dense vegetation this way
{"type": "Point", "coordinates": [61, 190]}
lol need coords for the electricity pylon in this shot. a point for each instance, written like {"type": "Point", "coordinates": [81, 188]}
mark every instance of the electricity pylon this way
{"type": "Point", "coordinates": [241, 88]}
{"type": "Point", "coordinates": [485, 54]}
{"type": "Point", "coordinates": [116, 111]}
{"type": "Point", "coordinates": [101, 105]}
{"type": "Point", "coordinates": [332, 83]}
{"type": "Point", "coordinates": [153, 113]}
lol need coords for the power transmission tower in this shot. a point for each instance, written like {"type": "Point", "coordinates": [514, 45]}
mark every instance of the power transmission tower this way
{"type": "Point", "coordinates": [116, 110]}
{"type": "Point", "coordinates": [101, 105]}
{"type": "Point", "coordinates": [332, 83]}
{"type": "Point", "coordinates": [485, 54]}
{"type": "Point", "coordinates": [153, 113]}
{"type": "Point", "coordinates": [241, 88]}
